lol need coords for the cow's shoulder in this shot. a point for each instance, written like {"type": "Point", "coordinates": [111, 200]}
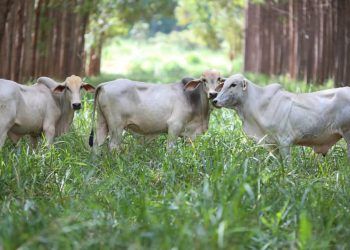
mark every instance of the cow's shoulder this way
{"type": "Point", "coordinates": [272, 91]}
{"type": "Point", "coordinates": [273, 87]}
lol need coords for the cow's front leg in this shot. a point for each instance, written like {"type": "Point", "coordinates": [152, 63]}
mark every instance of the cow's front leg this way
{"type": "Point", "coordinates": [285, 151]}
{"type": "Point", "coordinates": [174, 130]}
{"type": "Point", "coordinates": [2, 138]}
{"type": "Point", "coordinates": [49, 132]}
{"type": "Point", "coordinates": [33, 141]}
{"type": "Point", "coordinates": [14, 137]}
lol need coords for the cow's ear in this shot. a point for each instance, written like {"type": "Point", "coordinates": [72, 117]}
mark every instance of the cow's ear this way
{"type": "Point", "coordinates": [219, 87]}
{"type": "Point", "coordinates": [192, 85]}
{"type": "Point", "coordinates": [245, 84]}
{"type": "Point", "coordinates": [222, 80]}
{"type": "Point", "coordinates": [59, 89]}
{"type": "Point", "coordinates": [89, 88]}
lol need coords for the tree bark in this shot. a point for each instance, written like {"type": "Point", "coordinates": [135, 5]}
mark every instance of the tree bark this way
{"type": "Point", "coordinates": [315, 45]}
{"type": "Point", "coordinates": [42, 37]}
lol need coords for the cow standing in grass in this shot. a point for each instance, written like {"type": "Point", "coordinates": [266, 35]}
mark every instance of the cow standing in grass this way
{"type": "Point", "coordinates": [45, 107]}
{"type": "Point", "coordinates": [280, 119]}
{"type": "Point", "coordinates": [180, 109]}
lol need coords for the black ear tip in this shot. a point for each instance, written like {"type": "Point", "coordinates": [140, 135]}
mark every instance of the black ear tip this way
{"type": "Point", "coordinates": [91, 138]}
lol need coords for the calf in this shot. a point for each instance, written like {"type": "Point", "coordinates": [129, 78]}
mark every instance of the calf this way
{"type": "Point", "coordinates": [180, 109]}
{"type": "Point", "coordinates": [45, 107]}
{"type": "Point", "coordinates": [281, 119]}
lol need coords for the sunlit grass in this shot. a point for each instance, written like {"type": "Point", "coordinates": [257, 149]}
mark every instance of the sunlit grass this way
{"type": "Point", "coordinates": [221, 191]}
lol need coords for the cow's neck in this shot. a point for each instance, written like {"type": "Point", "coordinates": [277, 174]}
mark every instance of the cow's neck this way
{"type": "Point", "coordinates": [67, 114]}
{"type": "Point", "coordinates": [255, 105]}
{"type": "Point", "coordinates": [204, 107]}
{"type": "Point", "coordinates": [200, 106]}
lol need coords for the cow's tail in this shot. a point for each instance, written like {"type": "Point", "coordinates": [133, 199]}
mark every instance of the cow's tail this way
{"type": "Point", "coordinates": [91, 137]}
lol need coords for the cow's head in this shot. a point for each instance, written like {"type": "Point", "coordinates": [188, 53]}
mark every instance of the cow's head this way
{"type": "Point", "coordinates": [210, 79]}
{"type": "Point", "coordinates": [232, 92]}
{"type": "Point", "coordinates": [72, 86]}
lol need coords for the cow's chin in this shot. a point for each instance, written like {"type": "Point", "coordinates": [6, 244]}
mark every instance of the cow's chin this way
{"type": "Point", "coordinates": [216, 105]}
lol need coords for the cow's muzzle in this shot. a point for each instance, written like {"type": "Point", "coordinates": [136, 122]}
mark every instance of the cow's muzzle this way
{"type": "Point", "coordinates": [76, 106]}
{"type": "Point", "coordinates": [212, 95]}
{"type": "Point", "coordinates": [215, 104]}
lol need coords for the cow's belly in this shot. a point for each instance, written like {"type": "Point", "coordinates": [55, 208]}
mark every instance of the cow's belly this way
{"type": "Point", "coordinates": [327, 138]}
{"type": "Point", "coordinates": [147, 125]}
{"type": "Point", "coordinates": [33, 129]}
{"type": "Point", "coordinates": [146, 130]}
{"type": "Point", "coordinates": [321, 143]}
{"type": "Point", "coordinates": [30, 124]}
{"type": "Point", "coordinates": [153, 120]}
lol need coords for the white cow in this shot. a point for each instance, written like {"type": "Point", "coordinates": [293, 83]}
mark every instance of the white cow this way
{"type": "Point", "coordinates": [180, 109]}
{"type": "Point", "coordinates": [45, 107]}
{"type": "Point", "coordinates": [281, 119]}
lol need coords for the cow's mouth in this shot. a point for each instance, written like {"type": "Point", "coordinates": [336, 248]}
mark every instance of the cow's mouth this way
{"type": "Point", "coordinates": [215, 104]}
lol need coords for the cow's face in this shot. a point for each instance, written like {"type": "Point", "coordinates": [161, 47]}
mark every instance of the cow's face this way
{"type": "Point", "coordinates": [232, 92]}
{"type": "Point", "coordinates": [210, 80]}
{"type": "Point", "coordinates": [72, 87]}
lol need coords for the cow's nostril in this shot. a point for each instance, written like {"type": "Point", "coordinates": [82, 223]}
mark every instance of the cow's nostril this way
{"type": "Point", "coordinates": [76, 106]}
{"type": "Point", "coordinates": [213, 95]}
{"type": "Point", "coordinates": [215, 102]}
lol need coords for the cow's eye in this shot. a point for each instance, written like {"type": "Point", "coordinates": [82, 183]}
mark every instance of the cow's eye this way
{"type": "Point", "coordinates": [68, 88]}
{"type": "Point", "coordinates": [204, 80]}
{"type": "Point", "coordinates": [233, 85]}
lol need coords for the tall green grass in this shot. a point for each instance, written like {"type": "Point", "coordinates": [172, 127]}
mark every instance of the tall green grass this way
{"type": "Point", "coordinates": [221, 191]}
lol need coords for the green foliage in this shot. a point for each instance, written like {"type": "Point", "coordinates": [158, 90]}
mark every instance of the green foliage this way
{"type": "Point", "coordinates": [305, 230]}
{"type": "Point", "coordinates": [221, 191]}
{"type": "Point", "coordinates": [214, 21]}
{"type": "Point", "coordinates": [144, 10]}
{"type": "Point", "coordinates": [162, 60]}
{"type": "Point", "coordinates": [114, 18]}
{"type": "Point", "coordinates": [104, 23]}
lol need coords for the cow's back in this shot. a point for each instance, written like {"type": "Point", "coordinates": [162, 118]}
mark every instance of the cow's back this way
{"type": "Point", "coordinates": [9, 99]}
{"type": "Point", "coordinates": [8, 90]}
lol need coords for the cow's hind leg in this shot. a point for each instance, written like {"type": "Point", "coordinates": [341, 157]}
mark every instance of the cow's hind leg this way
{"type": "Point", "coordinates": [115, 127]}
{"type": "Point", "coordinates": [5, 126]}
{"type": "Point", "coordinates": [116, 134]}
{"type": "Point", "coordinates": [101, 128]}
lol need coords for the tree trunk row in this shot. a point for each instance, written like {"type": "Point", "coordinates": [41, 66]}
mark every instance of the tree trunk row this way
{"type": "Point", "coordinates": [305, 39]}
{"type": "Point", "coordinates": [41, 38]}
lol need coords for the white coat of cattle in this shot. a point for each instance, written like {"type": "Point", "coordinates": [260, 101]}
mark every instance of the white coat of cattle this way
{"type": "Point", "coordinates": [180, 109]}
{"type": "Point", "coordinates": [280, 118]}
{"type": "Point", "coordinates": [45, 107]}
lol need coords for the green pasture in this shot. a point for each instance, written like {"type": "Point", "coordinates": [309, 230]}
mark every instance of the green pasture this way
{"type": "Point", "coordinates": [221, 191]}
